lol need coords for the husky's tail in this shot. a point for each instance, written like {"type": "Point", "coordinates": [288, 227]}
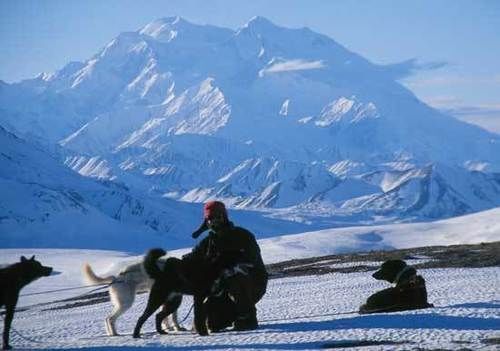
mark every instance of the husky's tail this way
{"type": "Point", "coordinates": [150, 262]}
{"type": "Point", "coordinates": [92, 278]}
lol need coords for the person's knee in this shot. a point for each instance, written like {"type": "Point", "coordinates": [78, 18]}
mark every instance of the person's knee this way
{"type": "Point", "coordinates": [245, 290]}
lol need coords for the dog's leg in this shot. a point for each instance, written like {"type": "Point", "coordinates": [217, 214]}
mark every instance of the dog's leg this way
{"type": "Point", "coordinates": [155, 300]}
{"type": "Point", "coordinates": [175, 302]}
{"type": "Point", "coordinates": [160, 316]}
{"type": "Point", "coordinates": [200, 315]}
{"type": "Point", "coordinates": [122, 297]}
{"type": "Point", "coordinates": [169, 307]}
{"type": "Point", "coordinates": [175, 322]}
{"type": "Point", "coordinates": [111, 319]}
{"type": "Point", "coordinates": [150, 309]}
{"type": "Point", "coordinates": [109, 328]}
{"type": "Point", "coordinates": [9, 315]}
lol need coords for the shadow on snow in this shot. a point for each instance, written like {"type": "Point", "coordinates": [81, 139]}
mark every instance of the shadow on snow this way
{"type": "Point", "coordinates": [387, 321]}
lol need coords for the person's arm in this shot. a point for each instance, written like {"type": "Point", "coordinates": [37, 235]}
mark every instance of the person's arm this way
{"type": "Point", "coordinates": [238, 246]}
{"type": "Point", "coordinates": [199, 251]}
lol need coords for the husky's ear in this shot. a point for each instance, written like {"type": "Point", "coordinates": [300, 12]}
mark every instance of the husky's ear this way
{"type": "Point", "coordinates": [23, 259]}
{"type": "Point", "coordinates": [32, 258]}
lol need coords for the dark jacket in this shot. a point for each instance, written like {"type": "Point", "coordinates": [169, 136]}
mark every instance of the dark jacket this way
{"type": "Point", "coordinates": [228, 252]}
{"type": "Point", "coordinates": [230, 246]}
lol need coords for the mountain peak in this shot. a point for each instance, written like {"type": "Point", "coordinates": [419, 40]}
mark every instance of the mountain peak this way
{"type": "Point", "coordinates": [164, 29]}
{"type": "Point", "coordinates": [259, 22]}
{"type": "Point", "coordinates": [173, 19]}
{"type": "Point", "coordinates": [176, 110]}
{"type": "Point", "coordinates": [170, 21]}
{"type": "Point", "coordinates": [167, 29]}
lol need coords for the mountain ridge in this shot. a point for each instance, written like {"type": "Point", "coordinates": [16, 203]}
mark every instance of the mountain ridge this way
{"type": "Point", "coordinates": [184, 111]}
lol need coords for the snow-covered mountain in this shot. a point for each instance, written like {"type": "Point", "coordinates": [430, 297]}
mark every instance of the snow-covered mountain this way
{"type": "Point", "coordinates": [45, 204]}
{"type": "Point", "coordinates": [261, 117]}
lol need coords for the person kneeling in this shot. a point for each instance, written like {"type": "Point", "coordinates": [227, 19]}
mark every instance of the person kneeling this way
{"type": "Point", "coordinates": [242, 280]}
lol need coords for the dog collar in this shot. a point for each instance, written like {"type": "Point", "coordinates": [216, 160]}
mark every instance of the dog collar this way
{"type": "Point", "coordinates": [400, 274]}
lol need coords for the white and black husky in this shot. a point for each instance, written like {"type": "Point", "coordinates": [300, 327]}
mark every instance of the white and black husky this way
{"type": "Point", "coordinates": [131, 280]}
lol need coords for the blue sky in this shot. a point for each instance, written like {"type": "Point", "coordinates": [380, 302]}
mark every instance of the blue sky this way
{"type": "Point", "coordinates": [41, 36]}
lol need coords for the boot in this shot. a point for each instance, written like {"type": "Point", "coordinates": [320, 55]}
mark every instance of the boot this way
{"type": "Point", "coordinates": [246, 322]}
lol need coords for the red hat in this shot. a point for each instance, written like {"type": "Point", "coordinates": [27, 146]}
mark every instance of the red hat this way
{"type": "Point", "coordinates": [210, 209]}
{"type": "Point", "coordinates": [214, 208]}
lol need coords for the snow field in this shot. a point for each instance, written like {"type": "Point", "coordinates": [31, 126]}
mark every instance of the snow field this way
{"type": "Point", "coordinates": [296, 313]}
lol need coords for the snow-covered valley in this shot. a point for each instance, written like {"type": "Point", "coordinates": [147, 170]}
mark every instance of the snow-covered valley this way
{"type": "Point", "coordinates": [297, 313]}
{"type": "Point", "coordinates": [302, 312]}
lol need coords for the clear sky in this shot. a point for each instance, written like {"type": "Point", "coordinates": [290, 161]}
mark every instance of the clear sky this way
{"type": "Point", "coordinates": [41, 36]}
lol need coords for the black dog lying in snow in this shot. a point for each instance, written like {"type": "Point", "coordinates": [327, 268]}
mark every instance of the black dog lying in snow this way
{"type": "Point", "coordinates": [408, 294]}
{"type": "Point", "coordinates": [12, 279]}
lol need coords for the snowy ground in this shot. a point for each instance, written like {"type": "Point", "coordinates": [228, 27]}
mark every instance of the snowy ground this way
{"type": "Point", "coordinates": [469, 229]}
{"type": "Point", "coordinates": [296, 313]}
{"type": "Point", "coordinates": [306, 312]}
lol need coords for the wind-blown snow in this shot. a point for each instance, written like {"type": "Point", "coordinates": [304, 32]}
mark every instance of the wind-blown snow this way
{"type": "Point", "coordinates": [284, 107]}
{"type": "Point", "coordinates": [291, 65]}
